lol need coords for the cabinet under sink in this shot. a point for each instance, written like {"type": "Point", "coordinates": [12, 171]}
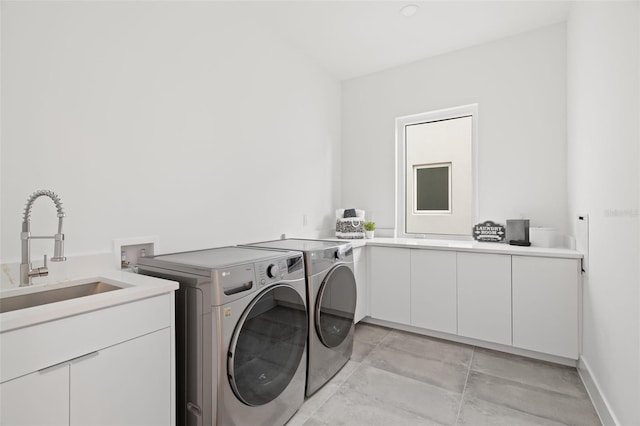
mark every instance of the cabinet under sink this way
{"type": "Point", "coordinates": [111, 362]}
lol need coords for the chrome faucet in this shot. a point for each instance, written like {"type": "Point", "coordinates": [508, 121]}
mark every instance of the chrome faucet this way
{"type": "Point", "coordinates": [26, 272]}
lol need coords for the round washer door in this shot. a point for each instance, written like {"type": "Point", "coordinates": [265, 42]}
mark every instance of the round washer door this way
{"type": "Point", "coordinates": [267, 345]}
{"type": "Point", "coordinates": [336, 306]}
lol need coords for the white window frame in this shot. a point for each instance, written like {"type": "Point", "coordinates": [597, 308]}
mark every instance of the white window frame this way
{"type": "Point", "coordinates": [401, 164]}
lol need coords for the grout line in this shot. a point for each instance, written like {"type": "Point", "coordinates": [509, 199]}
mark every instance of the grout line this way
{"type": "Point", "coordinates": [337, 385]}
{"type": "Point", "coordinates": [464, 389]}
{"type": "Point", "coordinates": [374, 345]}
{"type": "Point", "coordinates": [327, 397]}
{"type": "Point", "coordinates": [378, 343]}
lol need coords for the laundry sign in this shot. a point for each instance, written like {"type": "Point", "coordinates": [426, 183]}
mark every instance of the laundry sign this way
{"type": "Point", "coordinates": [488, 231]}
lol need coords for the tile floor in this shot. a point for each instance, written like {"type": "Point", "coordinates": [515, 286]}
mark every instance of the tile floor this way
{"type": "Point", "coordinates": [396, 378]}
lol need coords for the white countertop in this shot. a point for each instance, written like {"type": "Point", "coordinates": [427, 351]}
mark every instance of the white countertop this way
{"type": "Point", "coordinates": [135, 287]}
{"type": "Point", "coordinates": [469, 246]}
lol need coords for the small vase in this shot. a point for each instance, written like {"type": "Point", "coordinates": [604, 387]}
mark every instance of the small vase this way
{"type": "Point", "coordinates": [369, 234]}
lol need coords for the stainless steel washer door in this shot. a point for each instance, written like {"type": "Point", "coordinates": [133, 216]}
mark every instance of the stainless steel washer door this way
{"type": "Point", "coordinates": [336, 306]}
{"type": "Point", "coordinates": [267, 345]}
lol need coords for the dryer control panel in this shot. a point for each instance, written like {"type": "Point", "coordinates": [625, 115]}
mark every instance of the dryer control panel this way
{"type": "Point", "coordinates": [284, 269]}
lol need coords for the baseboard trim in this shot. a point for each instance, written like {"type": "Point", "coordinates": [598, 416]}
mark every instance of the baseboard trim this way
{"type": "Point", "coordinates": [607, 418]}
{"type": "Point", "coordinates": [474, 342]}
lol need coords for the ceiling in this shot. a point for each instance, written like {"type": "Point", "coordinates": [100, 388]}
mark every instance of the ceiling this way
{"type": "Point", "coordinates": [354, 38]}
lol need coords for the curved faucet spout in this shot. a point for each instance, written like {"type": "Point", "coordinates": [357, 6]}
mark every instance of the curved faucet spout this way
{"type": "Point", "coordinates": [33, 197]}
{"type": "Point", "coordinates": [26, 272]}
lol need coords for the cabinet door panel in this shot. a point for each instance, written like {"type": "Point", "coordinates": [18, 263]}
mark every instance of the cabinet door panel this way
{"type": "Point", "coordinates": [484, 296]}
{"type": "Point", "coordinates": [433, 290]}
{"type": "Point", "coordinates": [125, 384]}
{"type": "Point", "coordinates": [40, 398]}
{"type": "Point", "coordinates": [545, 305]}
{"type": "Point", "coordinates": [360, 271]}
{"type": "Point", "coordinates": [116, 324]}
{"type": "Point", "coordinates": [390, 284]}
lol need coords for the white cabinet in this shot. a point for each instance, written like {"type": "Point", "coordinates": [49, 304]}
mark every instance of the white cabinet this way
{"type": "Point", "coordinates": [39, 398]}
{"type": "Point", "coordinates": [545, 305]}
{"type": "Point", "coordinates": [360, 272]}
{"type": "Point", "coordinates": [527, 302]}
{"type": "Point", "coordinates": [433, 290]}
{"type": "Point", "coordinates": [390, 284]}
{"type": "Point", "coordinates": [126, 384]}
{"type": "Point", "coordinates": [484, 296]}
{"type": "Point", "coordinates": [108, 366]}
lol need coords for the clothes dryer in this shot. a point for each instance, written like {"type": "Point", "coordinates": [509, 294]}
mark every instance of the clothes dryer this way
{"type": "Point", "coordinates": [241, 333]}
{"type": "Point", "coordinates": [331, 304]}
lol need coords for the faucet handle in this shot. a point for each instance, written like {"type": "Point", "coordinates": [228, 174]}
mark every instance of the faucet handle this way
{"type": "Point", "coordinates": [40, 272]}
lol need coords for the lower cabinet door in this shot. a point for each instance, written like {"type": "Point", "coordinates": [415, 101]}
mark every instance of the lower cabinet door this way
{"type": "Point", "coordinates": [545, 305]}
{"type": "Point", "coordinates": [484, 297]}
{"type": "Point", "coordinates": [433, 290]}
{"type": "Point", "coordinates": [360, 271]}
{"type": "Point", "coordinates": [40, 398]}
{"type": "Point", "coordinates": [125, 384]}
{"type": "Point", "coordinates": [390, 280]}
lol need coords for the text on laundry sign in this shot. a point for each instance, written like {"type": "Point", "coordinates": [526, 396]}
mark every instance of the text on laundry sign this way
{"type": "Point", "coordinates": [488, 231]}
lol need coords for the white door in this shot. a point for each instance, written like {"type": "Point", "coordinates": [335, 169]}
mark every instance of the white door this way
{"type": "Point", "coordinates": [40, 398]}
{"type": "Point", "coordinates": [545, 305]}
{"type": "Point", "coordinates": [484, 296]}
{"type": "Point", "coordinates": [390, 278]}
{"type": "Point", "coordinates": [433, 290]}
{"type": "Point", "coordinates": [360, 271]}
{"type": "Point", "coordinates": [125, 384]}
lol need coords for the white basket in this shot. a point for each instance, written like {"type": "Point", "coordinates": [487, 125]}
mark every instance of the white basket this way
{"type": "Point", "coordinates": [350, 227]}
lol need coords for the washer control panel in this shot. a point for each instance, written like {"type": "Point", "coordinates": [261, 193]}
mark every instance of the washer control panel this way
{"type": "Point", "coordinates": [273, 271]}
{"type": "Point", "coordinates": [282, 269]}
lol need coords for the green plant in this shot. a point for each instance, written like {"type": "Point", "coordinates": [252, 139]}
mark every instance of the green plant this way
{"type": "Point", "coordinates": [369, 226]}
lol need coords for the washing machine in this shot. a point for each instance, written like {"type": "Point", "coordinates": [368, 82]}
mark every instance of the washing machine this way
{"type": "Point", "coordinates": [331, 304]}
{"type": "Point", "coordinates": [241, 334]}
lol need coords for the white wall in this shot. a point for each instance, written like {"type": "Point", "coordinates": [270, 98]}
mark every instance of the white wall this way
{"type": "Point", "coordinates": [519, 84]}
{"type": "Point", "coordinates": [603, 139]}
{"type": "Point", "coordinates": [178, 119]}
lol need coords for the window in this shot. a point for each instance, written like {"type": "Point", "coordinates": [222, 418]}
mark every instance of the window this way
{"type": "Point", "coordinates": [436, 183]}
{"type": "Point", "coordinates": [433, 188]}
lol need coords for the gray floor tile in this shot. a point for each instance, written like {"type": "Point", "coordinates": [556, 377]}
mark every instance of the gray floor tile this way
{"type": "Point", "coordinates": [553, 377]}
{"type": "Point", "coordinates": [532, 400]}
{"type": "Point", "coordinates": [437, 372]}
{"type": "Point", "coordinates": [476, 412]}
{"type": "Point", "coordinates": [321, 396]}
{"type": "Point", "coordinates": [344, 373]}
{"type": "Point", "coordinates": [398, 378]}
{"type": "Point", "coordinates": [406, 394]}
{"type": "Point", "coordinates": [314, 422]}
{"type": "Point", "coordinates": [348, 407]}
{"type": "Point", "coordinates": [369, 333]}
{"type": "Point", "coordinates": [429, 347]}
{"type": "Point", "coordinates": [361, 350]}
{"type": "Point", "coordinates": [315, 401]}
{"type": "Point", "coordinates": [298, 419]}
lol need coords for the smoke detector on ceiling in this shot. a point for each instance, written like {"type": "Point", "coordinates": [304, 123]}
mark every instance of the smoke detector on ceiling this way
{"type": "Point", "coordinates": [409, 10]}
